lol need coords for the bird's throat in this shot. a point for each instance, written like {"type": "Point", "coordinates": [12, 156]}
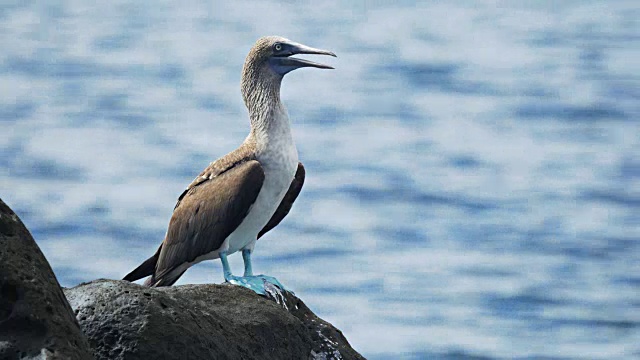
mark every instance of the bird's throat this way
{"type": "Point", "coordinates": [266, 111]}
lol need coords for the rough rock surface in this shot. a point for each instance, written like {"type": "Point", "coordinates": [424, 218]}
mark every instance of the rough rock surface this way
{"type": "Point", "coordinates": [36, 321]}
{"type": "Point", "coordinates": [127, 321]}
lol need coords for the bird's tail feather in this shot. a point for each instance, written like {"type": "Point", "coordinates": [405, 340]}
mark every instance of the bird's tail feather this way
{"type": "Point", "coordinates": [149, 282]}
{"type": "Point", "coordinates": [167, 279]}
{"type": "Point", "coordinates": [148, 267]}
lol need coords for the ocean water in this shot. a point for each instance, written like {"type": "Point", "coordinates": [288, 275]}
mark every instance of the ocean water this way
{"type": "Point", "coordinates": [473, 167]}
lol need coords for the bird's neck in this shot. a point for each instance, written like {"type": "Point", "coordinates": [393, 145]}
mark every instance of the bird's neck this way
{"type": "Point", "coordinates": [267, 114]}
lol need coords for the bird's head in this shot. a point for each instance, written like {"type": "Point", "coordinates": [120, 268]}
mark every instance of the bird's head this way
{"type": "Point", "coordinates": [267, 63]}
{"type": "Point", "coordinates": [273, 54]}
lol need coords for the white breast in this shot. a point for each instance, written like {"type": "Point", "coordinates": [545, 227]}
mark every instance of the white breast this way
{"type": "Point", "coordinates": [278, 156]}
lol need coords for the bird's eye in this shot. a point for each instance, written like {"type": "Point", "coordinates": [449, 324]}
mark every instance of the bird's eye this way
{"type": "Point", "coordinates": [278, 47]}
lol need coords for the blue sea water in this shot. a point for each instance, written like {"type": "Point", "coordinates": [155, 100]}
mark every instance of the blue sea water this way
{"type": "Point", "coordinates": [473, 167]}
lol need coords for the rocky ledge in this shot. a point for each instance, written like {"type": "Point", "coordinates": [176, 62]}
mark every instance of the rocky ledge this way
{"type": "Point", "coordinates": [129, 321]}
{"type": "Point", "coordinates": [120, 320]}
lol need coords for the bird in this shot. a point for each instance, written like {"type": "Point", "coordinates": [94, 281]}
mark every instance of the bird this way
{"type": "Point", "coordinates": [246, 193]}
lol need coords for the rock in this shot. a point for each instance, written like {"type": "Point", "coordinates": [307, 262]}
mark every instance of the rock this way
{"type": "Point", "coordinates": [36, 321]}
{"type": "Point", "coordinates": [128, 321]}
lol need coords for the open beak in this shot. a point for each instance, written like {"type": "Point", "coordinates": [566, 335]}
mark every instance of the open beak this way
{"type": "Point", "coordinates": [286, 63]}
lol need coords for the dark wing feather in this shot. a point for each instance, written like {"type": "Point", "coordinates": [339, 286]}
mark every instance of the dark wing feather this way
{"type": "Point", "coordinates": [240, 155]}
{"type": "Point", "coordinates": [145, 269]}
{"type": "Point", "coordinates": [205, 215]}
{"type": "Point", "coordinates": [286, 203]}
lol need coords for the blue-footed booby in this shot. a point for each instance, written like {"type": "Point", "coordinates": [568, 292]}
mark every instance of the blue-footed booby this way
{"type": "Point", "coordinates": [246, 193]}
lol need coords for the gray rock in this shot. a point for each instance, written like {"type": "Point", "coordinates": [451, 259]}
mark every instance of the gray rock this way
{"type": "Point", "coordinates": [127, 321]}
{"type": "Point", "coordinates": [36, 321]}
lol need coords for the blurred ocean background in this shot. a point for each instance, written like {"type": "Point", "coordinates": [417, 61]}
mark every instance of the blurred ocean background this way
{"type": "Point", "coordinates": [473, 167]}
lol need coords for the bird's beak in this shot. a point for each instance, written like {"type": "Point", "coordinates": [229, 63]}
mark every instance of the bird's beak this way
{"type": "Point", "coordinates": [285, 63]}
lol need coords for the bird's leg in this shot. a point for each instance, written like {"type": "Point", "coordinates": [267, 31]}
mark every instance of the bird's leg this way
{"type": "Point", "coordinates": [254, 283]}
{"type": "Point", "coordinates": [257, 279]}
{"type": "Point", "coordinates": [226, 269]}
{"type": "Point", "coordinates": [238, 280]}
{"type": "Point", "coordinates": [246, 256]}
{"type": "Point", "coordinates": [257, 283]}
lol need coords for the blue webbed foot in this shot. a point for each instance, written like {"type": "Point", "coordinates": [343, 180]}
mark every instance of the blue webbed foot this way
{"type": "Point", "coordinates": [260, 284]}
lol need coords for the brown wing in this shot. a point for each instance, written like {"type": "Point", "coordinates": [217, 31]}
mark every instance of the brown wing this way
{"type": "Point", "coordinates": [205, 215]}
{"type": "Point", "coordinates": [244, 153]}
{"type": "Point", "coordinates": [286, 203]}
